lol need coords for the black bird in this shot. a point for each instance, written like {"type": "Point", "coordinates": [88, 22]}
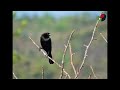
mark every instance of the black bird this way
{"type": "Point", "coordinates": [45, 41]}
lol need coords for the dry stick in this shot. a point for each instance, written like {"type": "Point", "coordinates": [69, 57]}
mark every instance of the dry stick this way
{"type": "Point", "coordinates": [14, 75]}
{"type": "Point", "coordinates": [42, 73]}
{"type": "Point", "coordinates": [62, 65]}
{"type": "Point", "coordinates": [66, 46]}
{"type": "Point", "coordinates": [103, 37]}
{"type": "Point", "coordinates": [87, 47]}
{"type": "Point", "coordinates": [45, 54]}
{"type": "Point", "coordinates": [71, 59]}
{"type": "Point", "coordinates": [61, 71]}
{"type": "Point", "coordinates": [65, 76]}
{"type": "Point", "coordinates": [89, 77]}
{"type": "Point", "coordinates": [93, 71]}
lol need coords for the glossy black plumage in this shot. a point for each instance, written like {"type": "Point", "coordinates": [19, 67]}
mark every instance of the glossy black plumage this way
{"type": "Point", "coordinates": [45, 41]}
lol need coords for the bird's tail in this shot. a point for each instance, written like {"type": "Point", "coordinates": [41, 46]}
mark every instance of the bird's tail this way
{"type": "Point", "coordinates": [50, 61]}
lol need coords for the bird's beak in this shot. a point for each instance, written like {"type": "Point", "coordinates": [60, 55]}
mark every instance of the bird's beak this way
{"type": "Point", "coordinates": [49, 34]}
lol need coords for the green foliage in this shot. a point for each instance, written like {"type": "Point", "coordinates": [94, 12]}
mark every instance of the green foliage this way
{"type": "Point", "coordinates": [16, 57]}
{"type": "Point", "coordinates": [18, 32]}
{"type": "Point", "coordinates": [24, 23]}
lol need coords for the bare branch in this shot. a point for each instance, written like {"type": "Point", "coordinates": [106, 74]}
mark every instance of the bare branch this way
{"type": "Point", "coordinates": [65, 76]}
{"type": "Point", "coordinates": [87, 47]}
{"type": "Point", "coordinates": [45, 54]}
{"type": "Point", "coordinates": [66, 46]}
{"type": "Point", "coordinates": [34, 42]}
{"type": "Point", "coordinates": [103, 37]}
{"type": "Point", "coordinates": [89, 77]}
{"type": "Point", "coordinates": [93, 71]}
{"type": "Point", "coordinates": [65, 49]}
{"type": "Point", "coordinates": [61, 75]}
{"type": "Point", "coordinates": [14, 75]}
{"type": "Point", "coordinates": [71, 59]}
{"type": "Point", "coordinates": [61, 71]}
{"type": "Point", "coordinates": [42, 73]}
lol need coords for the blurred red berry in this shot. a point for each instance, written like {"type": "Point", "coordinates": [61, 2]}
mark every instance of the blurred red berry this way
{"type": "Point", "coordinates": [103, 17]}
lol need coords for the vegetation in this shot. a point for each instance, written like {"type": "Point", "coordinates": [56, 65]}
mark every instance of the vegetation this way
{"type": "Point", "coordinates": [28, 60]}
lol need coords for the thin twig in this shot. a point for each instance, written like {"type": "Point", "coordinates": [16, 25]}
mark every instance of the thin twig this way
{"type": "Point", "coordinates": [61, 76]}
{"type": "Point", "coordinates": [62, 65]}
{"type": "Point", "coordinates": [89, 77]}
{"type": "Point", "coordinates": [45, 54]}
{"type": "Point", "coordinates": [103, 37]}
{"type": "Point", "coordinates": [65, 76]}
{"type": "Point", "coordinates": [14, 75]}
{"type": "Point", "coordinates": [93, 71]}
{"type": "Point", "coordinates": [71, 59]}
{"type": "Point", "coordinates": [66, 46]}
{"type": "Point", "coordinates": [42, 73]}
{"type": "Point", "coordinates": [87, 47]}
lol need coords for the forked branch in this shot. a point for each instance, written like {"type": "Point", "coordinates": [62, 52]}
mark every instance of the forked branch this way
{"type": "Point", "coordinates": [87, 47]}
{"type": "Point", "coordinates": [45, 54]}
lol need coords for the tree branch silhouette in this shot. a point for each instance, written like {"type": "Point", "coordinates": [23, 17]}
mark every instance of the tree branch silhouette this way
{"type": "Point", "coordinates": [71, 59]}
{"type": "Point", "coordinates": [93, 71]}
{"type": "Point", "coordinates": [103, 37]}
{"type": "Point", "coordinates": [61, 76]}
{"type": "Point", "coordinates": [87, 47]}
{"type": "Point", "coordinates": [66, 46]}
{"type": "Point", "coordinates": [45, 54]}
{"type": "Point", "coordinates": [15, 76]}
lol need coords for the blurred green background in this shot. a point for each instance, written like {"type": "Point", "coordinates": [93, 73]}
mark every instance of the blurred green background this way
{"type": "Point", "coordinates": [28, 61]}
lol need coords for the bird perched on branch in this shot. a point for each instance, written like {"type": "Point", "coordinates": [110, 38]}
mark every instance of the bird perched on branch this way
{"type": "Point", "coordinates": [45, 41]}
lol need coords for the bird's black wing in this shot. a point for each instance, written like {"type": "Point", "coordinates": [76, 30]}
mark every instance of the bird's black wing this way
{"type": "Point", "coordinates": [46, 45]}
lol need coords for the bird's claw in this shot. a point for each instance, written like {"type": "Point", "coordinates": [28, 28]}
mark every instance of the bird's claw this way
{"type": "Point", "coordinates": [40, 48]}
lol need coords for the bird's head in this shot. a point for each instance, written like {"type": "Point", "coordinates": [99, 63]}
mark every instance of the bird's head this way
{"type": "Point", "coordinates": [46, 35]}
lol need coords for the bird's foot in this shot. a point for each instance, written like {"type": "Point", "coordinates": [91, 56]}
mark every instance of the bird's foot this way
{"type": "Point", "coordinates": [40, 48]}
